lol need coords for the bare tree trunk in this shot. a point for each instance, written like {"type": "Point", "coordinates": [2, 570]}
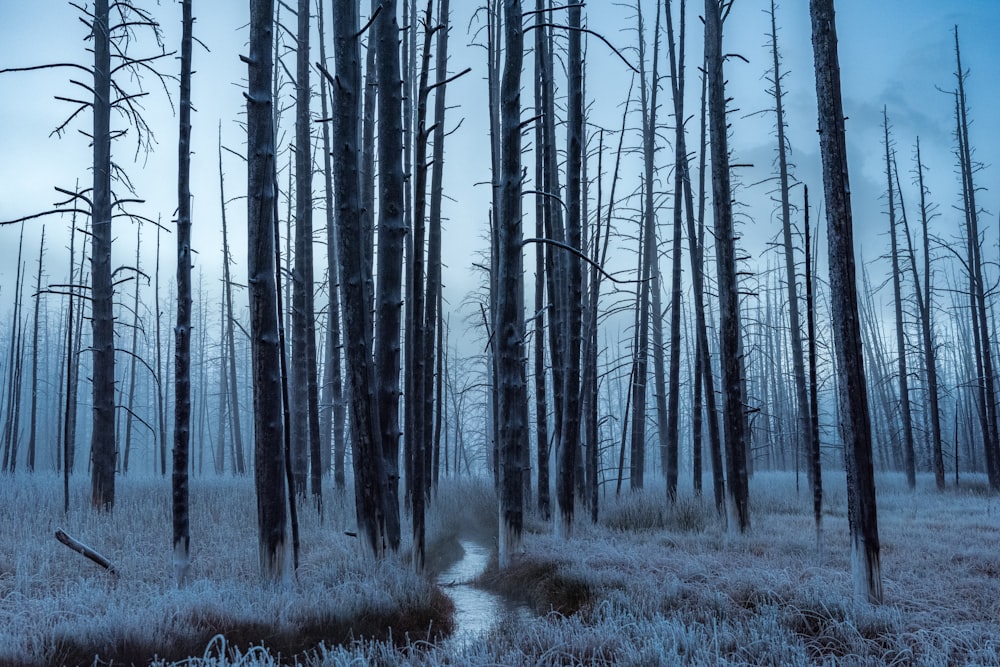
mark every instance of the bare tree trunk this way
{"type": "Point", "coordinates": [432, 316]}
{"type": "Point", "coordinates": [136, 325]}
{"type": "Point", "coordinates": [333, 381]}
{"type": "Point", "coordinates": [391, 235]}
{"type": "Point", "coordinates": [230, 331]}
{"type": "Point", "coordinates": [69, 422]}
{"type": "Point", "coordinates": [904, 379]}
{"type": "Point", "coordinates": [803, 420]}
{"type": "Point", "coordinates": [977, 288]}
{"type": "Point", "coordinates": [269, 461]}
{"type": "Point", "coordinates": [33, 427]}
{"type": "Point", "coordinates": [220, 436]}
{"type": "Point", "coordinates": [672, 439]}
{"type": "Point", "coordinates": [542, 211]}
{"type": "Point", "coordinates": [182, 332]}
{"type": "Point", "coordinates": [569, 439]}
{"type": "Point", "coordinates": [417, 363]}
{"type": "Point", "coordinates": [814, 449]}
{"type": "Point", "coordinates": [10, 430]}
{"type": "Point", "coordinates": [509, 327]}
{"type": "Point", "coordinates": [926, 326]}
{"type": "Point", "coordinates": [161, 395]}
{"type": "Point", "coordinates": [369, 476]}
{"type": "Point", "coordinates": [304, 366]}
{"type": "Point", "coordinates": [728, 284]}
{"type": "Point", "coordinates": [648, 261]}
{"type": "Point", "coordinates": [854, 420]}
{"type": "Point", "coordinates": [102, 443]}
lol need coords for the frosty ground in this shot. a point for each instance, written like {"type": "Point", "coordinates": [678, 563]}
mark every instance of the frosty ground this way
{"type": "Point", "coordinates": [646, 585]}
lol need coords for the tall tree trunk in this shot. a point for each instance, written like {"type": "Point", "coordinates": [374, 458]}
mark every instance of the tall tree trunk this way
{"type": "Point", "coordinates": [369, 476]}
{"type": "Point", "coordinates": [977, 288]}
{"type": "Point", "coordinates": [269, 462]}
{"type": "Point", "coordinates": [182, 333]}
{"type": "Point", "coordinates": [13, 385]}
{"type": "Point", "coordinates": [904, 378]}
{"type": "Point", "coordinates": [33, 426]}
{"type": "Point", "coordinates": [416, 362]}
{"type": "Point", "coordinates": [333, 381]}
{"type": "Point", "coordinates": [161, 409]}
{"type": "Point", "coordinates": [69, 422]}
{"type": "Point", "coordinates": [220, 436]}
{"type": "Point", "coordinates": [102, 441]}
{"type": "Point", "coordinates": [133, 360]}
{"type": "Point", "coordinates": [509, 328]}
{"type": "Point", "coordinates": [926, 325]}
{"type": "Point", "coordinates": [803, 419]}
{"type": "Point", "coordinates": [230, 330]}
{"type": "Point", "coordinates": [569, 439]}
{"type": "Point", "coordinates": [671, 442]}
{"type": "Point", "coordinates": [728, 284]}
{"type": "Point", "coordinates": [542, 209]}
{"type": "Point", "coordinates": [854, 418]}
{"type": "Point", "coordinates": [814, 448]}
{"type": "Point", "coordinates": [304, 365]}
{"type": "Point", "coordinates": [432, 315]}
{"type": "Point", "coordinates": [391, 235]}
{"type": "Point", "coordinates": [648, 260]}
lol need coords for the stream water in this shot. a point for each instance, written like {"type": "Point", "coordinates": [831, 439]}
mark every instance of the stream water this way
{"type": "Point", "coordinates": [476, 610]}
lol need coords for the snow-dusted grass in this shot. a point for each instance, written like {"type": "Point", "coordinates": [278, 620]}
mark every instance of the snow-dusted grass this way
{"type": "Point", "coordinates": [57, 607]}
{"type": "Point", "coordinates": [646, 585]}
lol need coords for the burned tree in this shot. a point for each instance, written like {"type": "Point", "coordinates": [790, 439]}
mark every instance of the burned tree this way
{"type": "Point", "coordinates": [855, 425]}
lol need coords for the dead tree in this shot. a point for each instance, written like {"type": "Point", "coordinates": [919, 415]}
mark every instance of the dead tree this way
{"type": "Point", "coordinates": [391, 234]}
{"type": "Point", "coordinates": [925, 310]}
{"type": "Point", "coordinates": [269, 461]}
{"type": "Point", "coordinates": [333, 413]}
{"type": "Point", "coordinates": [983, 351]}
{"type": "Point", "coordinates": [182, 332]}
{"type": "Point", "coordinates": [803, 418]}
{"type": "Point", "coordinates": [230, 328]}
{"type": "Point", "coordinates": [369, 476]}
{"type": "Point", "coordinates": [730, 350]}
{"type": "Point", "coordinates": [305, 391]}
{"type": "Point", "coordinates": [649, 258]}
{"type": "Point", "coordinates": [508, 345]}
{"type": "Point", "coordinates": [33, 426]}
{"type": "Point", "coordinates": [855, 426]}
{"type": "Point", "coordinates": [904, 379]}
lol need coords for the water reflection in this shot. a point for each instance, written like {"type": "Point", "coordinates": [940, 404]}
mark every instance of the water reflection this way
{"type": "Point", "coordinates": [476, 610]}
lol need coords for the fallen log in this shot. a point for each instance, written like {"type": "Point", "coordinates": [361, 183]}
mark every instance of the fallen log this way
{"type": "Point", "coordinates": [84, 550]}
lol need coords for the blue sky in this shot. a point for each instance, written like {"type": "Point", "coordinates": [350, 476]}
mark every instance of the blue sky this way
{"type": "Point", "coordinates": [895, 53]}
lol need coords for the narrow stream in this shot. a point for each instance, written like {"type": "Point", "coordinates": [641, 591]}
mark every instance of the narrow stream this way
{"type": "Point", "coordinates": [476, 610]}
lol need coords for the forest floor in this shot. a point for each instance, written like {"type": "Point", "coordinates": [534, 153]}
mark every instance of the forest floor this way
{"type": "Point", "coordinates": [645, 585]}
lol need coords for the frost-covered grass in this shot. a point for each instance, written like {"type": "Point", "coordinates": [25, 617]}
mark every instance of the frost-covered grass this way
{"type": "Point", "coordinates": [646, 585]}
{"type": "Point", "coordinates": [58, 608]}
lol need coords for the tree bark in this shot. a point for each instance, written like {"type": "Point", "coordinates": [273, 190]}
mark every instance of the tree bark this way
{"type": "Point", "coordinates": [182, 335]}
{"type": "Point", "coordinates": [728, 284]}
{"type": "Point", "coordinates": [509, 327]}
{"type": "Point", "coordinates": [927, 327]}
{"type": "Point", "coordinates": [102, 442]}
{"type": "Point", "coordinates": [369, 476]}
{"type": "Point", "coordinates": [854, 417]}
{"type": "Point", "coordinates": [648, 262]}
{"type": "Point", "coordinates": [269, 463]}
{"type": "Point", "coordinates": [905, 415]}
{"type": "Point", "coordinates": [803, 419]}
{"type": "Point", "coordinates": [33, 426]}
{"type": "Point", "coordinates": [391, 236]}
{"type": "Point", "coordinates": [230, 332]}
{"type": "Point", "coordinates": [569, 439]}
{"type": "Point", "coordinates": [333, 380]}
